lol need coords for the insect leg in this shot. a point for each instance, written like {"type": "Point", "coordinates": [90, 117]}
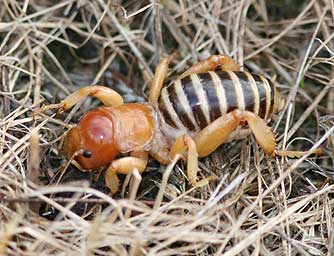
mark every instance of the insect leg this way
{"type": "Point", "coordinates": [266, 139]}
{"type": "Point", "coordinates": [181, 144]}
{"type": "Point", "coordinates": [223, 61]}
{"type": "Point", "coordinates": [107, 95]}
{"type": "Point", "coordinates": [216, 133]}
{"type": "Point", "coordinates": [296, 154]}
{"type": "Point", "coordinates": [162, 155]}
{"type": "Point", "coordinates": [205, 142]}
{"type": "Point", "coordinates": [158, 80]}
{"type": "Point", "coordinates": [124, 165]}
{"type": "Point", "coordinates": [263, 134]}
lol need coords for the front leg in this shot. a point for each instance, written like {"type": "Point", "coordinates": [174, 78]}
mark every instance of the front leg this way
{"type": "Point", "coordinates": [106, 95]}
{"type": "Point", "coordinates": [124, 165]}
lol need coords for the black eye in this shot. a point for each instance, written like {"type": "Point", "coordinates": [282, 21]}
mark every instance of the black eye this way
{"type": "Point", "coordinates": [87, 154]}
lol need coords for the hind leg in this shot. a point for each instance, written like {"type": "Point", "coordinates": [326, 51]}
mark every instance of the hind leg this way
{"type": "Point", "coordinates": [216, 133]}
{"type": "Point", "coordinates": [225, 62]}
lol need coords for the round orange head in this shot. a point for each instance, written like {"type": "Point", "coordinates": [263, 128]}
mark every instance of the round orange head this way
{"type": "Point", "coordinates": [93, 140]}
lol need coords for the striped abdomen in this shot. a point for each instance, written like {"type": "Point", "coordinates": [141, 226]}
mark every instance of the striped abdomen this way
{"type": "Point", "coordinates": [197, 100]}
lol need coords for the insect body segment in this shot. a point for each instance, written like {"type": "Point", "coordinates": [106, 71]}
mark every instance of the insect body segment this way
{"type": "Point", "coordinates": [95, 134]}
{"type": "Point", "coordinates": [104, 132]}
{"type": "Point", "coordinates": [195, 101]}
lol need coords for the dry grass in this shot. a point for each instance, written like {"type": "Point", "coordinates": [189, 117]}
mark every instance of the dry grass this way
{"type": "Point", "coordinates": [259, 205]}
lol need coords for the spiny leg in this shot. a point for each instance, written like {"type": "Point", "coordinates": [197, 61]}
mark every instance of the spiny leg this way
{"type": "Point", "coordinates": [225, 62]}
{"type": "Point", "coordinates": [262, 133]}
{"type": "Point", "coordinates": [106, 95]}
{"type": "Point", "coordinates": [296, 154]}
{"type": "Point", "coordinates": [180, 146]}
{"type": "Point", "coordinates": [205, 142]}
{"type": "Point", "coordinates": [216, 133]}
{"type": "Point", "coordinates": [124, 165]}
{"type": "Point", "coordinates": [265, 137]}
{"type": "Point", "coordinates": [158, 80]}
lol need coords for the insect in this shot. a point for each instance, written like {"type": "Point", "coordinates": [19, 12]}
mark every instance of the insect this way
{"type": "Point", "coordinates": [211, 103]}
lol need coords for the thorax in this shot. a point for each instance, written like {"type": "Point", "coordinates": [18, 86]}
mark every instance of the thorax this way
{"type": "Point", "coordinates": [134, 126]}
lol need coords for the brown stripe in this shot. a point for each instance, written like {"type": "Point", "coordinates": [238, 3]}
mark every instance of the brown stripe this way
{"type": "Point", "coordinates": [179, 107]}
{"type": "Point", "coordinates": [255, 93]}
{"type": "Point", "coordinates": [168, 119]}
{"type": "Point", "coordinates": [238, 90]}
{"type": "Point", "coordinates": [272, 95]}
{"type": "Point", "coordinates": [202, 97]}
{"type": "Point", "coordinates": [194, 102]}
{"type": "Point", "coordinates": [230, 96]}
{"type": "Point", "coordinates": [262, 95]}
{"type": "Point", "coordinates": [211, 93]}
{"type": "Point", "coordinates": [220, 92]}
{"type": "Point", "coordinates": [249, 97]}
{"type": "Point", "coordinates": [268, 95]}
{"type": "Point", "coordinates": [170, 109]}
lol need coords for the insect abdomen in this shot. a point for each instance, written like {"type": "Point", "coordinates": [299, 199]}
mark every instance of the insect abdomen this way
{"type": "Point", "coordinates": [197, 100]}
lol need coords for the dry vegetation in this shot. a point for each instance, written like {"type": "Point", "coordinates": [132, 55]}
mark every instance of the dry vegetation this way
{"type": "Point", "coordinates": [258, 205]}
